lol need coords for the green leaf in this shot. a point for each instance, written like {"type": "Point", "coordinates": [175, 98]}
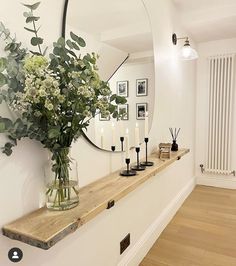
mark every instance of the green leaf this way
{"type": "Point", "coordinates": [32, 7]}
{"type": "Point", "coordinates": [54, 63]}
{"type": "Point", "coordinates": [31, 30]}
{"type": "Point", "coordinates": [57, 51]}
{"type": "Point", "coordinates": [31, 19]}
{"type": "Point", "coordinates": [3, 64]}
{"type": "Point", "coordinates": [8, 47]}
{"type": "Point", "coordinates": [36, 41]}
{"type": "Point", "coordinates": [7, 123]}
{"type": "Point", "coordinates": [72, 45]}
{"type": "Point", "coordinates": [78, 39]}
{"type": "Point", "coordinates": [54, 133]}
{"type": "Point", "coordinates": [75, 46]}
{"type": "Point", "coordinates": [71, 52]}
{"type": "Point", "coordinates": [2, 127]}
{"type": "Point", "coordinates": [7, 151]}
{"type": "Point", "coordinates": [3, 80]}
{"type": "Point", "coordinates": [27, 14]}
{"type": "Point", "coordinates": [69, 43]}
{"type": "Point", "coordinates": [61, 41]}
{"type": "Point", "coordinates": [81, 42]}
{"type": "Point", "coordinates": [13, 83]}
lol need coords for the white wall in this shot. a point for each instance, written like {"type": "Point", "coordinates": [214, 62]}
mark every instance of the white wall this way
{"type": "Point", "coordinates": [206, 49]}
{"type": "Point", "coordinates": [97, 242]}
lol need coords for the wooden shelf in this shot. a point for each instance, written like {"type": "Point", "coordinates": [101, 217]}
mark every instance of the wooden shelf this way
{"type": "Point", "coordinates": [44, 228]}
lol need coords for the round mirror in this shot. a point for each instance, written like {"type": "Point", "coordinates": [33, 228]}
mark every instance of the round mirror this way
{"type": "Point", "coordinates": [120, 33]}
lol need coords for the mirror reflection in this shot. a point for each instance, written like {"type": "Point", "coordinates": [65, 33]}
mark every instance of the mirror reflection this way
{"type": "Point", "coordinates": [120, 33]}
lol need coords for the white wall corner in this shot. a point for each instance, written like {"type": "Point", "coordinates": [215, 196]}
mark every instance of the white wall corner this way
{"type": "Point", "coordinates": [135, 255]}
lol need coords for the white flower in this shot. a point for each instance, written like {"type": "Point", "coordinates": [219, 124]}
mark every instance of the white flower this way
{"type": "Point", "coordinates": [61, 98]}
{"type": "Point", "coordinates": [49, 106]}
{"type": "Point", "coordinates": [56, 92]}
{"type": "Point", "coordinates": [42, 93]}
{"type": "Point", "coordinates": [55, 83]}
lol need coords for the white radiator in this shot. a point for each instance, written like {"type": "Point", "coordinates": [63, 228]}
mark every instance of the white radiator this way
{"type": "Point", "coordinates": [221, 92]}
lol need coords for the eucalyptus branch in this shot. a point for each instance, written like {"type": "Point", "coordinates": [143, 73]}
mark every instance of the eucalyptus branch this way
{"type": "Point", "coordinates": [36, 34]}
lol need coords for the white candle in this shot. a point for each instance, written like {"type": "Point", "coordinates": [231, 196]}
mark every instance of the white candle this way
{"type": "Point", "coordinates": [137, 140]}
{"type": "Point", "coordinates": [146, 125]}
{"type": "Point", "coordinates": [127, 144]}
{"type": "Point", "coordinates": [121, 128]}
{"type": "Point", "coordinates": [102, 137]}
{"type": "Point", "coordinates": [113, 134]}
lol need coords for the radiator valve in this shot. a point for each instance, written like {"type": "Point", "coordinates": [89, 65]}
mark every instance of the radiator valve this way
{"type": "Point", "coordinates": [202, 168]}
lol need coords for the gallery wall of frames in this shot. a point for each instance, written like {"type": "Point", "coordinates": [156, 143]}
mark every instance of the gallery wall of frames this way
{"type": "Point", "coordinates": [135, 82]}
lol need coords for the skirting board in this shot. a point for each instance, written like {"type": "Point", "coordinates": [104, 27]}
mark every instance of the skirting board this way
{"type": "Point", "coordinates": [136, 253]}
{"type": "Point", "coordinates": [217, 181]}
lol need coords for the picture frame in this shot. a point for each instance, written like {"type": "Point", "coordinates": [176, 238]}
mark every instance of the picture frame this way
{"type": "Point", "coordinates": [104, 118]}
{"type": "Point", "coordinates": [141, 109]}
{"type": "Point", "coordinates": [141, 87]}
{"type": "Point", "coordinates": [124, 108]}
{"type": "Point", "coordinates": [122, 88]}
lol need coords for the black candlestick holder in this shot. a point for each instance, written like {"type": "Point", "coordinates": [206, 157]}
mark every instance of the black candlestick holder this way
{"type": "Point", "coordinates": [138, 166]}
{"type": "Point", "coordinates": [122, 143]}
{"type": "Point", "coordinates": [128, 171]}
{"type": "Point", "coordinates": [113, 148]}
{"type": "Point", "coordinates": [147, 163]}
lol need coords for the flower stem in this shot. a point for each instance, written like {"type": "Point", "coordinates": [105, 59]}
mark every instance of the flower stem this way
{"type": "Point", "coordinates": [36, 34]}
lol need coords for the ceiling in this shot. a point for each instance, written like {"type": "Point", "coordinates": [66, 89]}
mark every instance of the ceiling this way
{"type": "Point", "coordinates": [123, 24]}
{"type": "Point", "coordinates": [208, 20]}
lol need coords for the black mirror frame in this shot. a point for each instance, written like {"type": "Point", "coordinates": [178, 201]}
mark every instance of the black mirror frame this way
{"type": "Point", "coordinates": [63, 28]}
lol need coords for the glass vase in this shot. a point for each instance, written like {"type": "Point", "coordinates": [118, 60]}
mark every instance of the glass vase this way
{"type": "Point", "coordinates": [61, 176]}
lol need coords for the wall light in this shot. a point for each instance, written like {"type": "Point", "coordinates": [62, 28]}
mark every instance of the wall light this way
{"type": "Point", "coordinates": [187, 52]}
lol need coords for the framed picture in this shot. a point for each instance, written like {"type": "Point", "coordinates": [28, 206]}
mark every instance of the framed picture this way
{"type": "Point", "coordinates": [123, 88]}
{"type": "Point", "coordinates": [141, 109]}
{"type": "Point", "coordinates": [141, 87]}
{"type": "Point", "coordinates": [104, 118]}
{"type": "Point", "coordinates": [123, 109]}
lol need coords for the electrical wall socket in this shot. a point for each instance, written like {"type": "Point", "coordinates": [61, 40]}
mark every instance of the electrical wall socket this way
{"type": "Point", "coordinates": [124, 243]}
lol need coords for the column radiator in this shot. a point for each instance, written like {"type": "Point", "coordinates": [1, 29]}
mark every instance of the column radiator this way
{"type": "Point", "coordinates": [221, 92]}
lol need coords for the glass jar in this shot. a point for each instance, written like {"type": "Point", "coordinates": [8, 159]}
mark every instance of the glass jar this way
{"type": "Point", "coordinates": [61, 175]}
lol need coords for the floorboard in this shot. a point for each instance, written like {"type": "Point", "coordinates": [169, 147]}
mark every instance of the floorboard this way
{"type": "Point", "coordinates": [202, 233]}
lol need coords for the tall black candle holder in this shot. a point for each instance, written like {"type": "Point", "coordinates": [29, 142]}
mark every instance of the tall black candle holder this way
{"type": "Point", "coordinates": [113, 148]}
{"type": "Point", "coordinates": [147, 163]}
{"type": "Point", "coordinates": [128, 171]}
{"type": "Point", "coordinates": [122, 143]}
{"type": "Point", "coordinates": [138, 167]}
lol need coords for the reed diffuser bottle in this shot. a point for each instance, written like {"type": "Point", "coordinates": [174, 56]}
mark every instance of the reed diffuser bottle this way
{"type": "Point", "coordinates": [174, 134]}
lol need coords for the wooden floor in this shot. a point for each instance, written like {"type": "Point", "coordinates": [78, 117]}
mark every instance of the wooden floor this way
{"type": "Point", "coordinates": [202, 233]}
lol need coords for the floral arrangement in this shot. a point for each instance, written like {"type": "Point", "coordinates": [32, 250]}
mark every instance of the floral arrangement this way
{"type": "Point", "coordinates": [53, 97]}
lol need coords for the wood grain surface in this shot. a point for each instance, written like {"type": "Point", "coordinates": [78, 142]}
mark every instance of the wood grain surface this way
{"type": "Point", "coordinates": [202, 233]}
{"type": "Point", "coordinates": [44, 228]}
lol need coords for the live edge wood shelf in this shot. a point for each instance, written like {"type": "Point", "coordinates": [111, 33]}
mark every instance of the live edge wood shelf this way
{"type": "Point", "coordinates": [43, 228]}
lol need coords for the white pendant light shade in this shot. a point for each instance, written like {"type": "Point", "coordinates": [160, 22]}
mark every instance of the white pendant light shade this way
{"type": "Point", "coordinates": [188, 53]}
